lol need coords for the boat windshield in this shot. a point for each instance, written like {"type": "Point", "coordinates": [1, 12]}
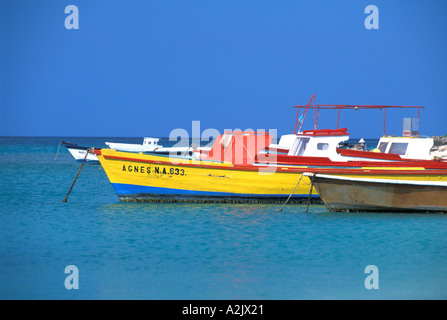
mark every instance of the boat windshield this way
{"type": "Point", "coordinates": [300, 146]}
{"type": "Point", "coordinates": [398, 148]}
{"type": "Point", "coordinates": [382, 146]}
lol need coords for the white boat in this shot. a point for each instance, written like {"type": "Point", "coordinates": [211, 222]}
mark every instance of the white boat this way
{"type": "Point", "coordinates": [78, 152]}
{"type": "Point", "coordinates": [333, 144]}
{"type": "Point", "coordinates": [394, 148]}
{"type": "Point", "coordinates": [149, 144]}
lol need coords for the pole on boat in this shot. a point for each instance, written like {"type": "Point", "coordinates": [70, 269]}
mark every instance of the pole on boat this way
{"type": "Point", "coordinates": [77, 175]}
{"type": "Point", "coordinates": [60, 142]}
{"type": "Point", "coordinates": [291, 193]}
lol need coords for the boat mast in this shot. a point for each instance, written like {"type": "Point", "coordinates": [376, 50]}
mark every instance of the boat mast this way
{"type": "Point", "coordinates": [299, 121]}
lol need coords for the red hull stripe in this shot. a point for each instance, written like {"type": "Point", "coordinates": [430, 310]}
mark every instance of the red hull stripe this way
{"type": "Point", "coordinates": [334, 170]}
{"type": "Point", "coordinates": [321, 161]}
{"type": "Point", "coordinates": [368, 154]}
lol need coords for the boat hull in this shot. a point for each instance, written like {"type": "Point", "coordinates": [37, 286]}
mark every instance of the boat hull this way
{"type": "Point", "coordinates": [366, 194]}
{"type": "Point", "coordinates": [151, 178]}
{"type": "Point", "coordinates": [79, 155]}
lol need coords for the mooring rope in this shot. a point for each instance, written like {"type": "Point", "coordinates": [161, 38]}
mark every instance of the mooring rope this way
{"type": "Point", "coordinates": [60, 142]}
{"type": "Point", "coordinates": [310, 191]}
{"type": "Point", "coordinates": [77, 175]}
{"type": "Point", "coordinates": [291, 193]}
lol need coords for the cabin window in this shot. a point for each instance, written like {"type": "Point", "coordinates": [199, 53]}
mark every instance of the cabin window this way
{"type": "Point", "coordinates": [301, 145]}
{"type": "Point", "coordinates": [382, 146]}
{"type": "Point", "coordinates": [323, 146]}
{"type": "Point", "coordinates": [398, 148]}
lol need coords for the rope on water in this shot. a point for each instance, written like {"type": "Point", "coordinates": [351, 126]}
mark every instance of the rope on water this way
{"type": "Point", "coordinates": [291, 193]}
{"type": "Point", "coordinates": [191, 146]}
{"type": "Point", "coordinates": [77, 175]}
{"type": "Point", "coordinates": [310, 191]}
{"type": "Point", "coordinates": [60, 142]}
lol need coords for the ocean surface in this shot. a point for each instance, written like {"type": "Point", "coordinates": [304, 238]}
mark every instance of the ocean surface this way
{"type": "Point", "coordinates": [195, 251]}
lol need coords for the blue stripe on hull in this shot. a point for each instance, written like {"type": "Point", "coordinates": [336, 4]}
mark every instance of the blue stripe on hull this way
{"type": "Point", "coordinates": [87, 161]}
{"type": "Point", "coordinates": [129, 192]}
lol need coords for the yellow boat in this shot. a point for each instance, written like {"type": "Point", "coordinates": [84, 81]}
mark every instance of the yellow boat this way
{"type": "Point", "coordinates": [152, 178]}
{"type": "Point", "coordinates": [224, 174]}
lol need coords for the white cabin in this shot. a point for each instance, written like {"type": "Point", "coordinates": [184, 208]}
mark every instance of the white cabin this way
{"type": "Point", "coordinates": [313, 143]}
{"type": "Point", "coordinates": [149, 141]}
{"type": "Point", "coordinates": [149, 144]}
{"type": "Point", "coordinates": [324, 143]}
{"type": "Point", "coordinates": [406, 147]}
{"type": "Point", "coordinates": [317, 146]}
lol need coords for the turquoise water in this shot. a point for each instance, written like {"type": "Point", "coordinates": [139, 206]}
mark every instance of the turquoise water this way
{"type": "Point", "coordinates": [196, 251]}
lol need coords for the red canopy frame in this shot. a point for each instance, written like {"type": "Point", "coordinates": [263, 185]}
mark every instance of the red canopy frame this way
{"type": "Point", "coordinates": [317, 107]}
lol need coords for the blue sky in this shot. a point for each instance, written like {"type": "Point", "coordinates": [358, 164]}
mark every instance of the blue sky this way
{"type": "Point", "coordinates": [144, 68]}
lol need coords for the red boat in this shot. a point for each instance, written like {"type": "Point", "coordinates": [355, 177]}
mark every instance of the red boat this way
{"type": "Point", "coordinates": [322, 148]}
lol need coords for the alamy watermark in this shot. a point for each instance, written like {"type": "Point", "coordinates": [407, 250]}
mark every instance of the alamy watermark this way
{"type": "Point", "coordinates": [372, 20]}
{"type": "Point", "coordinates": [232, 145]}
{"type": "Point", "coordinates": [372, 280]}
{"type": "Point", "coordinates": [72, 20]}
{"type": "Point", "coordinates": [72, 280]}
